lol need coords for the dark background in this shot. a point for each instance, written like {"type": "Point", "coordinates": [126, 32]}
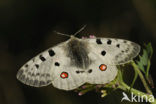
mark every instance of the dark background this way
{"type": "Point", "coordinates": [26, 29]}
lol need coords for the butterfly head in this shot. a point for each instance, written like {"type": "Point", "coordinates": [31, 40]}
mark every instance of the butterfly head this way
{"type": "Point", "coordinates": [72, 37]}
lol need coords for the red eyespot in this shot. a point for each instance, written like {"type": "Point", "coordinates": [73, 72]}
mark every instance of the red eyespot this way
{"type": "Point", "coordinates": [64, 75]}
{"type": "Point", "coordinates": [102, 67]}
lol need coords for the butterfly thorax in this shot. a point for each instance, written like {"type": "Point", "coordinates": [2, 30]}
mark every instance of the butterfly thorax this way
{"type": "Point", "coordinates": [77, 51]}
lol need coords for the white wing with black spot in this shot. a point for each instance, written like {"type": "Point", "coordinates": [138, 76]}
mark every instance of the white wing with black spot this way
{"type": "Point", "coordinates": [121, 51]}
{"type": "Point", "coordinates": [105, 54]}
{"type": "Point", "coordinates": [101, 70]}
{"type": "Point", "coordinates": [38, 71]}
{"type": "Point", "coordinates": [65, 75]}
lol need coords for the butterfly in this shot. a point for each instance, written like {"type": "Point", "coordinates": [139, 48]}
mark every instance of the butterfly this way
{"type": "Point", "coordinates": [75, 62]}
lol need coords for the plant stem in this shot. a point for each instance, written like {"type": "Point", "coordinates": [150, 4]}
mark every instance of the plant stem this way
{"type": "Point", "coordinates": [142, 78]}
{"type": "Point", "coordinates": [148, 67]}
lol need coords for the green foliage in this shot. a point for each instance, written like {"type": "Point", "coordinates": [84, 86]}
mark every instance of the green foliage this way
{"type": "Point", "coordinates": [144, 61]}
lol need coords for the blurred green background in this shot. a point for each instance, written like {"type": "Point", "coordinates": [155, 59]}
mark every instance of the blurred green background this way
{"type": "Point", "coordinates": [26, 29]}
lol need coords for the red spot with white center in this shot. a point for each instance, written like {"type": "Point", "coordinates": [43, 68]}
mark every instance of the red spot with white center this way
{"type": "Point", "coordinates": [103, 67]}
{"type": "Point", "coordinates": [64, 75]}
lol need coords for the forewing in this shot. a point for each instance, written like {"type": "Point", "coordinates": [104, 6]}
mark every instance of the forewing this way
{"type": "Point", "coordinates": [121, 51]}
{"type": "Point", "coordinates": [38, 71]}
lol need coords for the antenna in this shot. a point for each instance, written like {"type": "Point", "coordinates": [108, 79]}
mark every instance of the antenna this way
{"type": "Point", "coordinates": [62, 34]}
{"type": "Point", "coordinates": [72, 35]}
{"type": "Point", "coordinates": [80, 30]}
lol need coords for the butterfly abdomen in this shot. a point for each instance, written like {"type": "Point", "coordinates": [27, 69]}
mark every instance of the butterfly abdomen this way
{"type": "Point", "coordinates": [78, 53]}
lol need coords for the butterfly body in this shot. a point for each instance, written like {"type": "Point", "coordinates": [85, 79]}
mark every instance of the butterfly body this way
{"type": "Point", "coordinates": [74, 62]}
{"type": "Point", "coordinates": [77, 51]}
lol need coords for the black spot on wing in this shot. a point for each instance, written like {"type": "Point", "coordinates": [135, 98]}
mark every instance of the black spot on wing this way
{"type": "Point", "coordinates": [98, 41]}
{"type": "Point", "coordinates": [51, 52]}
{"type": "Point", "coordinates": [90, 71]}
{"type": "Point", "coordinates": [103, 53]}
{"type": "Point", "coordinates": [42, 58]}
{"type": "Point", "coordinates": [79, 71]}
{"type": "Point", "coordinates": [109, 42]}
{"type": "Point", "coordinates": [37, 66]}
{"type": "Point", "coordinates": [57, 64]}
{"type": "Point", "coordinates": [118, 45]}
{"type": "Point", "coordinates": [26, 65]}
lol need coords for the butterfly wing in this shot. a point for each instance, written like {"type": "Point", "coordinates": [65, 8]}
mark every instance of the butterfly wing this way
{"type": "Point", "coordinates": [65, 75]}
{"type": "Point", "coordinates": [38, 71]}
{"type": "Point", "coordinates": [105, 55]}
{"type": "Point", "coordinates": [121, 51]}
{"type": "Point", "coordinates": [101, 70]}
{"type": "Point", "coordinates": [51, 66]}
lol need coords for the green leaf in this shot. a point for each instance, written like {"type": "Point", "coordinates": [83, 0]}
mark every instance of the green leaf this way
{"type": "Point", "coordinates": [149, 50]}
{"type": "Point", "coordinates": [144, 60]}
